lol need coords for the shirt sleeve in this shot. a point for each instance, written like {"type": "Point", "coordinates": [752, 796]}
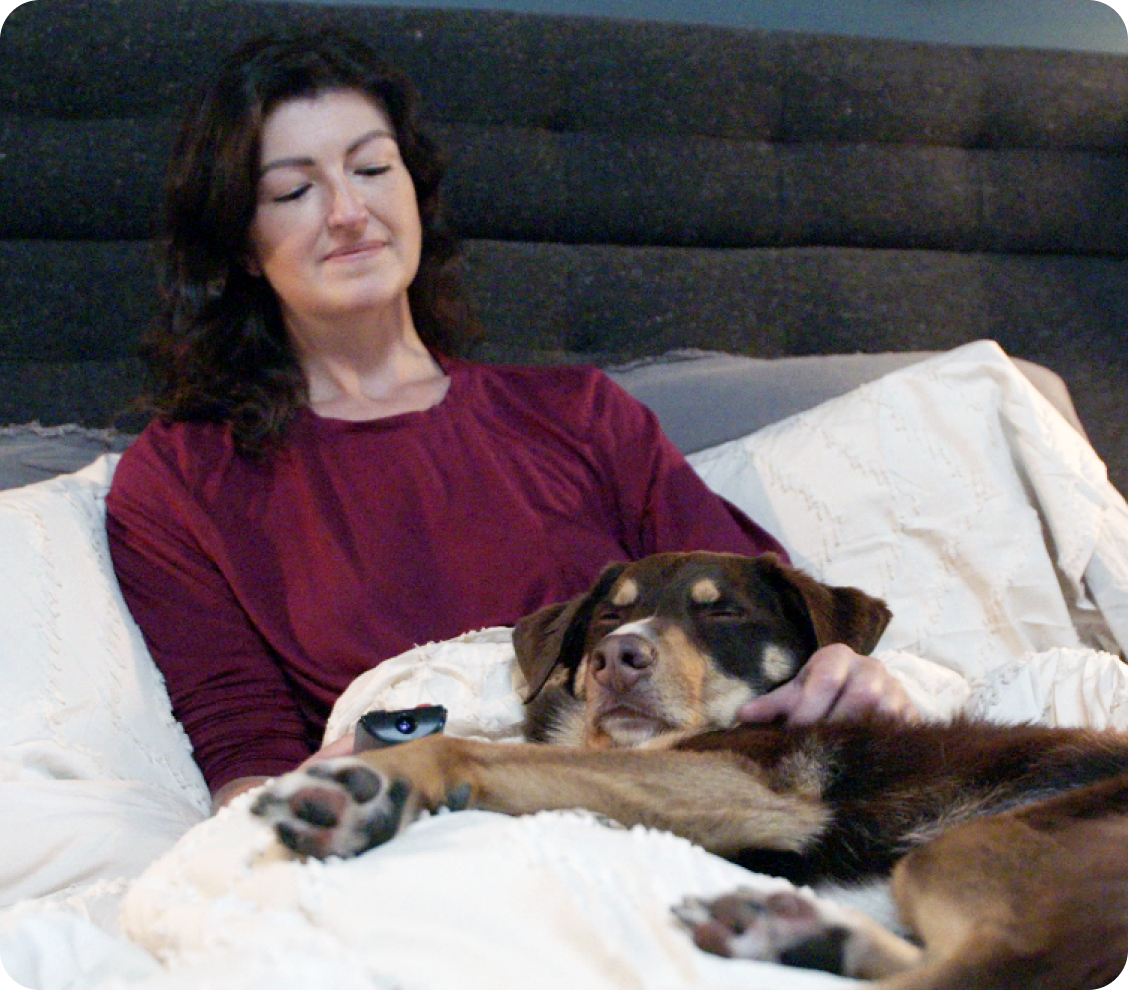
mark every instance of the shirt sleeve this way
{"type": "Point", "coordinates": [225, 685]}
{"type": "Point", "coordinates": [663, 503]}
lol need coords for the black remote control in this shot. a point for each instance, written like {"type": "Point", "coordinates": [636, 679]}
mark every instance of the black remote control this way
{"type": "Point", "coordinates": [378, 729]}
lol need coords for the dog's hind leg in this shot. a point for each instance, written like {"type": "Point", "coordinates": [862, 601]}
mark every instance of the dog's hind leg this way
{"type": "Point", "coordinates": [1029, 900]}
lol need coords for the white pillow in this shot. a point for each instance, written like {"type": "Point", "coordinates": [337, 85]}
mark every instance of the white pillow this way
{"type": "Point", "coordinates": [953, 490]}
{"type": "Point", "coordinates": [96, 777]}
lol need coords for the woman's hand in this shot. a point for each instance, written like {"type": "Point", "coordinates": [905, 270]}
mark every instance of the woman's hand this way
{"type": "Point", "coordinates": [232, 789]}
{"type": "Point", "coordinates": [836, 684]}
{"type": "Point", "coordinates": [222, 797]}
{"type": "Point", "coordinates": [339, 747]}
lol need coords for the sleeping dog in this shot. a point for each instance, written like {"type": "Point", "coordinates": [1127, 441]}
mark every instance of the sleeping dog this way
{"type": "Point", "coordinates": [1006, 847]}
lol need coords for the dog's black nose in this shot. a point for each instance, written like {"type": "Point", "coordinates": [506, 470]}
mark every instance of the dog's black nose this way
{"type": "Point", "coordinates": [620, 660]}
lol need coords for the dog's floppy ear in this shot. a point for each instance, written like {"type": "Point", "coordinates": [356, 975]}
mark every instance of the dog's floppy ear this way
{"type": "Point", "coordinates": [838, 614]}
{"type": "Point", "coordinates": [554, 635]}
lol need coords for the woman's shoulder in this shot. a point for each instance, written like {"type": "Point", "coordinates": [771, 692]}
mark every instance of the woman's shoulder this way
{"type": "Point", "coordinates": [544, 385]}
{"type": "Point", "coordinates": [576, 402]}
{"type": "Point", "coordinates": [173, 453]}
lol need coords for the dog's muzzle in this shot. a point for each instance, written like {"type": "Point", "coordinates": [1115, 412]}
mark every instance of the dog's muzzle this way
{"type": "Point", "coordinates": [621, 660]}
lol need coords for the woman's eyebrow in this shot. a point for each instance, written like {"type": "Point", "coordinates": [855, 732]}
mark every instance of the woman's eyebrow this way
{"type": "Point", "coordinates": [306, 162]}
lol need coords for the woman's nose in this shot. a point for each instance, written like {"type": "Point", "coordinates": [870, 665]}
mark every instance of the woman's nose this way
{"type": "Point", "coordinates": [347, 206]}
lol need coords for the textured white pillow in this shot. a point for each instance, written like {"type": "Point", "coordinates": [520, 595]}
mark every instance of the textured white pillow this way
{"type": "Point", "coordinates": [96, 777]}
{"type": "Point", "coordinates": [956, 492]}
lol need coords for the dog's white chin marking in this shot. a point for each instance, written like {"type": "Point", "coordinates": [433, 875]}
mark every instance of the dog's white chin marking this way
{"type": "Point", "coordinates": [632, 730]}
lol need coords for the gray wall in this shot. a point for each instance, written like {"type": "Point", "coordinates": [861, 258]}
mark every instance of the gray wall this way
{"type": "Point", "coordinates": [1083, 25]}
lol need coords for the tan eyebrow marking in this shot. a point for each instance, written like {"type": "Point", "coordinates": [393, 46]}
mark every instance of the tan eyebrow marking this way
{"type": "Point", "coordinates": [625, 594]}
{"type": "Point", "coordinates": [705, 592]}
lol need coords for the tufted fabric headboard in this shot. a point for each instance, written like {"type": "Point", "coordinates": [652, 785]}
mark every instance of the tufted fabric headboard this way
{"type": "Point", "coordinates": [623, 188]}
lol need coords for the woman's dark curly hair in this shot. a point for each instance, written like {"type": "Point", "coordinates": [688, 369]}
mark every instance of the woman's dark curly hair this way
{"type": "Point", "coordinates": [220, 351]}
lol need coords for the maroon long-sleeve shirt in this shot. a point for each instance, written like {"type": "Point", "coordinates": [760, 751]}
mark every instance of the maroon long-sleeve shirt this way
{"type": "Point", "coordinates": [264, 587]}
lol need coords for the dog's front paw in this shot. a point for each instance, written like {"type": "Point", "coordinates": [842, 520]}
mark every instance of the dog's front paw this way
{"type": "Point", "coordinates": [339, 807]}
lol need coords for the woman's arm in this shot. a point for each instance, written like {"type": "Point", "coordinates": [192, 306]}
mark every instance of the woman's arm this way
{"type": "Point", "coordinates": [340, 747]}
{"type": "Point", "coordinates": [226, 687]}
{"type": "Point", "coordinates": [232, 789]}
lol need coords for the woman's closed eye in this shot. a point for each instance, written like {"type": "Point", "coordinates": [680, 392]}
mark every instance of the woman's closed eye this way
{"type": "Point", "coordinates": [294, 194]}
{"type": "Point", "coordinates": [297, 192]}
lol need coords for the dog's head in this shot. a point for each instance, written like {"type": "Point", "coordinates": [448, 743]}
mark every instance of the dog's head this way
{"type": "Point", "coordinates": [678, 642]}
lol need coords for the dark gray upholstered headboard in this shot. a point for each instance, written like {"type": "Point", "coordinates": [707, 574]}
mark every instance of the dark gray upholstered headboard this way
{"type": "Point", "coordinates": [623, 188]}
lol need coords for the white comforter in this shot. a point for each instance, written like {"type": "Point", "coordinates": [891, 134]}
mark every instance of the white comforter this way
{"type": "Point", "coordinates": [951, 488]}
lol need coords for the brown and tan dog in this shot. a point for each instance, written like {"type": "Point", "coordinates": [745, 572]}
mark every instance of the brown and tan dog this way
{"type": "Point", "coordinates": [1007, 847]}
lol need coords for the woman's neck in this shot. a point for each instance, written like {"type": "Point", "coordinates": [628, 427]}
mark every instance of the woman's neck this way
{"type": "Point", "coordinates": [370, 373]}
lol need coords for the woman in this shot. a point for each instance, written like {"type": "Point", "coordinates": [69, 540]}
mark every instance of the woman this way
{"type": "Point", "coordinates": [326, 484]}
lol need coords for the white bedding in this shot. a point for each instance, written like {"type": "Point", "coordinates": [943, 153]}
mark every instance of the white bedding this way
{"type": "Point", "coordinates": [942, 488]}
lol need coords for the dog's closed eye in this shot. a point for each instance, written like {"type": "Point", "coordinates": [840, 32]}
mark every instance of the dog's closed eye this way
{"type": "Point", "coordinates": [610, 613]}
{"type": "Point", "coordinates": [721, 610]}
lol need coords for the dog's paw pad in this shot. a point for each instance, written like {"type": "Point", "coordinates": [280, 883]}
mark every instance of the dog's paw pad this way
{"type": "Point", "coordinates": [338, 807]}
{"type": "Point", "coordinates": [787, 927]}
{"type": "Point", "coordinates": [360, 781]}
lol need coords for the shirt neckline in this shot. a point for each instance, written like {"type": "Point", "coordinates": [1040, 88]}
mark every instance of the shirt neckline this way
{"type": "Point", "coordinates": [450, 367]}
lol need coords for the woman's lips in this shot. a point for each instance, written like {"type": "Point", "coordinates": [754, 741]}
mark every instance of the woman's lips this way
{"type": "Point", "coordinates": [355, 250]}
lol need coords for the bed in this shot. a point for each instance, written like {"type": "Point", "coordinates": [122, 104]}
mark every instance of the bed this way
{"type": "Point", "coordinates": [872, 383]}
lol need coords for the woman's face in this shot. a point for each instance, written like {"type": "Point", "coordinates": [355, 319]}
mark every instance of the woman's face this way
{"type": "Point", "coordinates": [336, 229]}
